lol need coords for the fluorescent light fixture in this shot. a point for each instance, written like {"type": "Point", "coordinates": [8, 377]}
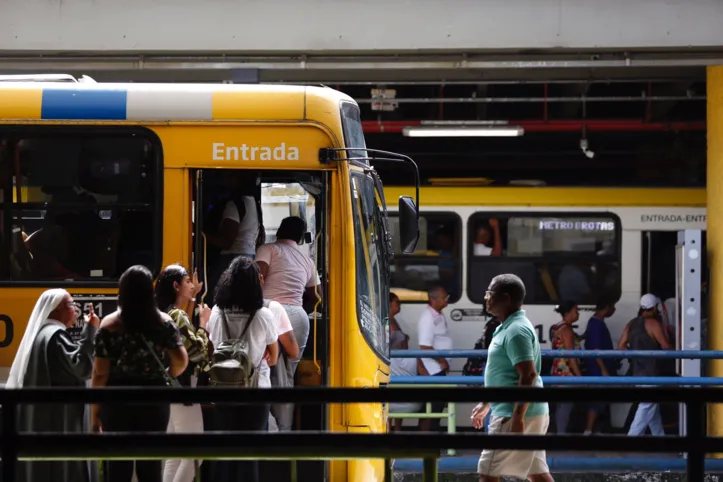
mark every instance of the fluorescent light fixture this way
{"type": "Point", "coordinates": [461, 131]}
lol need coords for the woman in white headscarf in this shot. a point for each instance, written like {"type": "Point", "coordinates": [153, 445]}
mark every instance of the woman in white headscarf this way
{"type": "Point", "coordinates": [49, 357]}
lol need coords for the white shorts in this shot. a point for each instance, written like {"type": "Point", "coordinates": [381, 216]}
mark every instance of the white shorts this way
{"type": "Point", "coordinates": [515, 463]}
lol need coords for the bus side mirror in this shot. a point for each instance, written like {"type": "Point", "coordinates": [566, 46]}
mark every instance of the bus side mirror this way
{"type": "Point", "coordinates": [408, 224]}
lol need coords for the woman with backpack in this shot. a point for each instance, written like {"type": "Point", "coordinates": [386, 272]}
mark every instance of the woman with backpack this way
{"type": "Point", "coordinates": [132, 348]}
{"type": "Point", "coordinates": [176, 295]}
{"type": "Point", "coordinates": [243, 335]}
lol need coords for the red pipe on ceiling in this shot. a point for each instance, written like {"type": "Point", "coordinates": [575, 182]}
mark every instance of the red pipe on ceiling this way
{"type": "Point", "coordinates": [373, 127]}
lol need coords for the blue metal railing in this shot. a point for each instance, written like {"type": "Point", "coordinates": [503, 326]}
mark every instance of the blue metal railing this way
{"type": "Point", "coordinates": [469, 464]}
{"type": "Point", "coordinates": [616, 354]}
{"type": "Point", "coordinates": [567, 381]}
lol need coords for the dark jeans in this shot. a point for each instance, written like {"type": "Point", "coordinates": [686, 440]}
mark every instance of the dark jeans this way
{"type": "Point", "coordinates": [239, 417]}
{"type": "Point", "coordinates": [126, 417]}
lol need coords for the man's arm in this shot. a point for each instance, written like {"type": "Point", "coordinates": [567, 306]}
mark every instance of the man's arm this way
{"type": "Point", "coordinates": [623, 343]}
{"type": "Point", "coordinates": [593, 341]}
{"type": "Point", "coordinates": [521, 352]}
{"type": "Point", "coordinates": [527, 376]}
{"type": "Point", "coordinates": [656, 329]}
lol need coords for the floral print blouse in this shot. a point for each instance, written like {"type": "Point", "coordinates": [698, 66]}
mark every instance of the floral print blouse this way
{"type": "Point", "coordinates": [130, 357]}
{"type": "Point", "coordinates": [561, 366]}
{"type": "Point", "coordinates": [195, 340]}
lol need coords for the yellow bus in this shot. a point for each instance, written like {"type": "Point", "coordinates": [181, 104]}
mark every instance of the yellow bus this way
{"type": "Point", "coordinates": [98, 177]}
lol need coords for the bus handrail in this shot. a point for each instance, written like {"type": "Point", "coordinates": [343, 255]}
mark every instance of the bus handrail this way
{"type": "Point", "coordinates": [617, 354]}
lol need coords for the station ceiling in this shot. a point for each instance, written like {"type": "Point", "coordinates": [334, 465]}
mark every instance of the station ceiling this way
{"type": "Point", "coordinates": [644, 122]}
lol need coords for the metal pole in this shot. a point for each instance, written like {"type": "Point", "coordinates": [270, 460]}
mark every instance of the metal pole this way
{"type": "Point", "coordinates": [9, 439]}
{"type": "Point", "coordinates": [388, 470]}
{"type": "Point", "coordinates": [429, 473]}
{"type": "Point", "coordinates": [695, 464]}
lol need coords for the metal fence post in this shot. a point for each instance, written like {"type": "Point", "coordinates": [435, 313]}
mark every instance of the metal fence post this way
{"type": "Point", "coordinates": [430, 469]}
{"type": "Point", "coordinates": [695, 463]}
{"type": "Point", "coordinates": [388, 470]}
{"type": "Point", "coordinates": [9, 445]}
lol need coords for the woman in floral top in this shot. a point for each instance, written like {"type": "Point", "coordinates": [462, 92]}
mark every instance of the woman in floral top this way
{"type": "Point", "coordinates": [132, 347]}
{"type": "Point", "coordinates": [564, 338]}
{"type": "Point", "coordinates": [176, 294]}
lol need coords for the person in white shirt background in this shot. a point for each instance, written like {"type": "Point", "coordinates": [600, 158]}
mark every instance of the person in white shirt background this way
{"type": "Point", "coordinates": [433, 335]}
{"type": "Point", "coordinates": [487, 239]}
{"type": "Point", "coordinates": [239, 301]}
{"type": "Point", "coordinates": [403, 367]}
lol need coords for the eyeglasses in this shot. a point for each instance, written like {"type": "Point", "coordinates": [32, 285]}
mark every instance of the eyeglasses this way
{"type": "Point", "coordinates": [489, 293]}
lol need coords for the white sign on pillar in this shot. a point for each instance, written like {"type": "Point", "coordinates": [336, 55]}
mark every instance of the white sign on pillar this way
{"type": "Point", "coordinates": [687, 303]}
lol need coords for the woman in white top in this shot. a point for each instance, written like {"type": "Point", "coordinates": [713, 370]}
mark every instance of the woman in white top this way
{"type": "Point", "coordinates": [239, 296]}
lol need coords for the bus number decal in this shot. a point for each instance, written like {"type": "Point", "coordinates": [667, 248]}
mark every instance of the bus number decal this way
{"type": "Point", "coordinates": [540, 334]}
{"type": "Point", "coordinates": [9, 331]}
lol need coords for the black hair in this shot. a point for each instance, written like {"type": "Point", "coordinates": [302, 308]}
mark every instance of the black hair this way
{"type": "Point", "coordinates": [138, 310]}
{"type": "Point", "coordinates": [511, 285]}
{"type": "Point", "coordinates": [604, 302]}
{"type": "Point", "coordinates": [239, 287]}
{"type": "Point", "coordinates": [165, 291]}
{"type": "Point", "coordinates": [291, 228]}
{"type": "Point", "coordinates": [393, 297]}
{"type": "Point", "coordinates": [565, 307]}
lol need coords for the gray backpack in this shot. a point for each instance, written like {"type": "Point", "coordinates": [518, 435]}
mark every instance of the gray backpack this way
{"type": "Point", "coordinates": [231, 364]}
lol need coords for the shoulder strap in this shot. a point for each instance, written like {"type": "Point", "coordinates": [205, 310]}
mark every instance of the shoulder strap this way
{"type": "Point", "coordinates": [252, 315]}
{"type": "Point", "coordinates": [227, 331]}
{"type": "Point", "coordinates": [162, 367]}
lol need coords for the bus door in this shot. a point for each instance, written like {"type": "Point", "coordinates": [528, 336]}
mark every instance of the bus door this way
{"type": "Point", "coordinates": [279, 194]}
{"type": "Point", "coordinates": [666, 265]}
{"type": "Point", "coordinates": [687, 314]}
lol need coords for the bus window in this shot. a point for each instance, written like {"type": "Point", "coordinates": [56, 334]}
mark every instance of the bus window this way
{"type": "Point", "coordinates": [371, 279]}
{"type": "Point", "coordinates": [558, 256]}
{"type": "Point", "coordinates": [82, 203]}
{"type": "Point", "coordinates": [436, 259]}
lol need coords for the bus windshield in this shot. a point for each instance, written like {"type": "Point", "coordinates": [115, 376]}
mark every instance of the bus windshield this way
{"type": "Point", "coordinates": [372, 282]}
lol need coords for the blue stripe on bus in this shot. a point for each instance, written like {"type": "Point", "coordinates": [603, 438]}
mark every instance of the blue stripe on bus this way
{"type": "Point", "coordinates": [84, 104]}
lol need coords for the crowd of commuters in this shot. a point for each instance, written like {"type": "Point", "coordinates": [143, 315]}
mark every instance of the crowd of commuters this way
{"type": "Point", "coordinates": [159, 337]}
{"type": "Point", "coordinates": [514, 359]}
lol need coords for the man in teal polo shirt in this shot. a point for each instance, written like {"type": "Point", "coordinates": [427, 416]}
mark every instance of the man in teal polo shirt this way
{"type": "Point", "coordinates": [513, 360]}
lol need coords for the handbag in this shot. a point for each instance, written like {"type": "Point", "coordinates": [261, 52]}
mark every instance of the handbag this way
{"type": "Point", "coordinates": [170, 381]}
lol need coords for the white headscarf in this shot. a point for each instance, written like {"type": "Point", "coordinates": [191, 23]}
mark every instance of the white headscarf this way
{"type": "Point", "coordinates": [47, 302]}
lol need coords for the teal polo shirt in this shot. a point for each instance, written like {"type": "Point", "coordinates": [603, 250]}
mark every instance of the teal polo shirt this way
{"type": "Point", "coordinates": [514, 341]}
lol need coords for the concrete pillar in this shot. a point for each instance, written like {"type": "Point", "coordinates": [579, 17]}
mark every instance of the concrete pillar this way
{"type": "Point", "coordinates": [714, 190]}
